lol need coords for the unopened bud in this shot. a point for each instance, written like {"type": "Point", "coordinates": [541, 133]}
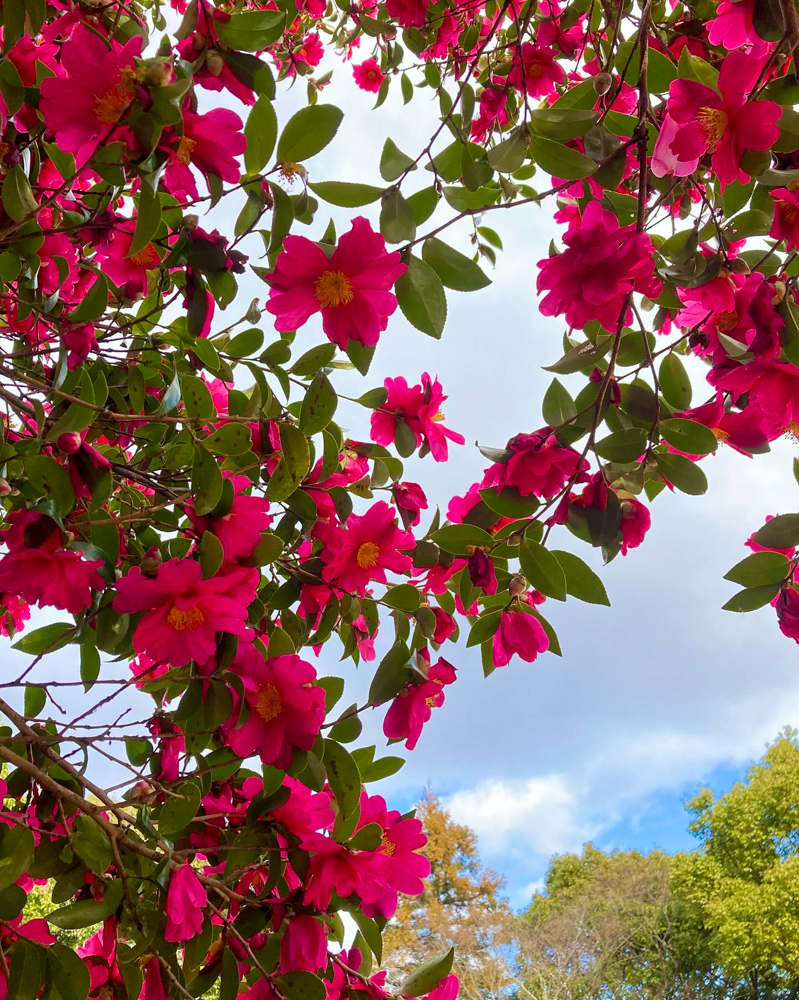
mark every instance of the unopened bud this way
{"type": "Point", "coordinates": [602, 83]}
{"type": "Point", "coordinates": [780, 290]}
{"type": "Point", "coordinates": [627, 510]}
{"type": "Point", "coordinates": [69, 443]}
{"type": "Point", "coordinates": [215, 63]}
{"type": "Point", "coordinates": [159, 74]}
{"type": "Point", "coordinates": [515, 538]}
{"type": "Point", "coordinates": [5, 488]}
{"type": "Point", "coordinates": [253, 314]}
{"type": "Point", "coordinates": [738, 266]}
{"type": "Point", "coordinates": [151, 562]}
{"type": "Point", "coordinates": [517, 585]}
{"type": "Point", "coordinates": [191, 221]}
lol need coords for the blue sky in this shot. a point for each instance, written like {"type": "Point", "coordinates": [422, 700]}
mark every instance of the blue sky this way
{"type": "Point", "coordinates": [654, 696]}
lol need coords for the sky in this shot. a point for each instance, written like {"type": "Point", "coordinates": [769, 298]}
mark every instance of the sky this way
{"type": "Point", "coordinates": [654, 697]}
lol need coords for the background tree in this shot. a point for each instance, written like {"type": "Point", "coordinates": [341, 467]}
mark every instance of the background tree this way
{"type": "Point", "coordinates": [461, 905]}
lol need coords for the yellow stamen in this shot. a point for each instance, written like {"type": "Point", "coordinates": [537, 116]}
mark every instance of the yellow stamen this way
{"type": "Point", "coordinates": [367, 555]}
{"type": "Point", "coordinates": [333, 289]}
{"type": "Point", "coordinates": [388, 845]}
{"type": "Point", "coordinates": [185, 621]}
{"type": "Point", "coordinates": [430, 702]}
{"type": "Point", "coordinates": [727, 321]}
{"type": "Point", "coordinates": [185, 149]}
{"type": "Point", "coordinates": [719, 434]}
{"type": "Point", "coordinates": [713, 122]}
{"type": "Point", "coordinates": [112, 104]}
{"type": "Point", "coordinates": [438, 418]}
{"type": "Point", "coordinates": [146, 257]}
{"type": "Point", "coordinates": [268, 704]}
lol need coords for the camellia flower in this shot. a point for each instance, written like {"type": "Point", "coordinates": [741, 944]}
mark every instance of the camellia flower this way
{"type": "Point", "coordinates": [184, 611]}
{"type": "Point", "coordinates": [364, 548]}
{"type": "Point", "coordinates": [13, 614]}
{"type": "Point", "coordinates": [408, 13]}
{"type": "Point", "coordinates": [351, 288]}
{"type": "Point", "coordinates": [418, 406]}
{"type": "Point", "coordinates": [413, 707]}
{"type": "Point", "coordinates": [82, 107]}
{"type": "Point", "coordinates": [634, 524]}
{"type": "Point", "coordinates": [723, 122]}
{"type": "Point", "coordinates": [153, 986]}
{"type": "Point", "coordinates": [785, 225]}
{"type": "Point", "coordinates": [304, 811]}
{"type": "Point", "coordinates": [129, 273]}
{"type": "Point", "coordinates": [210, 142]}
{"type": "Point", "coordinates": [538, 464]}
{"type": "Point", "coordinates": [304, 945]}
{"type": "Point", "coordinates": [733, 25]}
{"type": "Point", "coordinates": [410, 500]}
{"type": "Point", "coordinates": [287, 708]}
{"type": "Point", "coordinates": [518, 634]}
{"type": "Point", "coordinates": [37, 568]}
{"type": "Point", "coordinates": [445, 625]}
{"type": "Point", "coordinates": [431, 418]}
{"type": "Point", "coordinates": [240, 529]}
{"type": "Point", "coordinates": [601, 264]}
{"type": "Point", "coordinates": [787, 606]}
{"type": "Point", "coordinates": [773, 387]}
{"type": "Point", "coordinates": [335, 867]}
{"type": "Point", "coordinates": [185, 900]}
{"type": "Point", "coordinates": [398, 862]}
{"type": "Point", "coordinates": [368, 75]}
{"type": "Point", "coordinates": [536, 73]}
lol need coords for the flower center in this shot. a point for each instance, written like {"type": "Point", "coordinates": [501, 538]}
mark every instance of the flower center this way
{"type": "Point", "coordinates": [185, 149]}
{"type": "Point", "coordinates": [147, 257]}
{"type": "Point", "coordinates": [111, 104]}
{"type": "Point", "coordinates": [438, 418]}
{"type": "Point", "coordinates": [713, 122]}
{"type": "Point", "coordinates": [727, 321]}
{"type": "Point", "coordinates": [788, 210]}
{"type": "Point", "coordinates": [367, 555]}
{"type": "Point", "coordinates": [185, 620]}
{"type": "Point", "coordinates": [431, 701]}
{"type": "Point", "coordinates": [388, 845]}
{"type": "Point", "coordinates": [535, 71]}
{"type": "Point", "coordinates": [268, 704]}
{"type": "Point", "coordinates": [719, 434]}
{"type": "Point", "coordinates": [333, 289]}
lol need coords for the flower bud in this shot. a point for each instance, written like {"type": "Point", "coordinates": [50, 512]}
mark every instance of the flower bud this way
{"type": "Point", "coordinates": [69, 443]}
{"type": "Point", "coordinates": [5, 488]}
{"type": "Point", "coordinates": [191, 221]}
{"type": "Point", "coordinates": [214, 62]}
{"type": "Point", "coordinates": [517, 585]}
{"type": "Point", "coordinates": [159, 74]}
{"type": "Point", "coordinates": [738, 266]}
{"type": "Point", "coordinates": [151, 562]}
{"type": "Point", "coordinates": [602, 83]}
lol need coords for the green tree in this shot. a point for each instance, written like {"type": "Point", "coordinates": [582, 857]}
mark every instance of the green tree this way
{"type": "Point", "coordinates": [461, 906]}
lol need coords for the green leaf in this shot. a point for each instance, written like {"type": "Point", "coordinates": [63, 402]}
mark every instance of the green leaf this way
{"type": "Point", "coordinates": [454, 269]}
{"type": "Point", "coordinates": [176, 813]}
{"type": "Point", "coordinates": [252, 30]}
{"type": "Point", "coordinates": [623, 446]}
{"type": "Point", "coordinates": [384, 767]}
{"type": "Point", "coordinates": [45, 637]}
{"type": "Point", "coordinates": [229, 439]}
{"type": "Point", "coordinates": [206, 481]}
{"type": "Point", "coordinates": [86, 912]}
{"type": "Point", "coordinates": [542, 569]}
{"type": "Point", "coordinates": [509, 154]}
{"type": "Point", "coordinates": [780, 532]}
{"type": "Point", "coordinates": [674, 382]}
{"type": "Point", "coordinates": [92, 306]}
{"type": "Point", "coordinates": [581, 581]}
{"type": "Point", "coordinates": [393, 162]}
{"type": "Point", "coordinates": [196, 397]}
{"type": "Point", "coordinates": [560, 161]}
{"type": "Point", "coordinates": [405, 597]}
{"type": "Point", "coordinates": [53, 480]}
{"type": "Point", "coordinates": [484, 628]}
{"type": "Point", "coordinates": [28, 963]}
{"type": "Point", "coordinates": [428, 975]}
{"type": "Point", "coordinates": [759, 569]}
{"type": "Point", "coordinates": [314, 359]}
{"type": "Point", "coordinates": [89, 660]}
{"type": "Point", "coordinates": [391, 675]}
{"type": "Point", "coordinates": [560, 123]}
{"type": "Point", "coordinates": [16, 852]}
{"type": "Point", "coordinates": [261, 133]}
{"type": "Point", "coordinates": [293, 466]}
{"type": "Point", "coordinates": [212, 555]}
{"type": "Point", "coordinates": [396, 218]}
{"type": "Point", "coordinates": [301, 985]}
{"type": "Point", "coordinates": [35, 700]}
{"type": "Point", "coordinates": [344, 777]}
{"type": "Point", "coordinates": [557, 406]}
{"type": "Point", "coordinates": [752, 598]}
{"type": "Point", "coordinates": [148, 217]}
{"type": "Point", "coordinates": [308, 132]}
{"type": "Point", "coordinates": [70, 974]}
{"type": "Point", "coordinates": [688, 436]}
{"type": "Point", "coordinates": [245, 343]}
{"type": "Point", "coordinates": [682, 473]}
{"type": "Point", "coordinates": [421, 297]}
{"type": "Point", "coordinates": [318, 406]}
{"type": "Point", "coordinates": [455, 538]}
{"type": "Point", "coordinates": [16, 194]}
{"type": "Point", "coordinates": [345, 194]}
{"type": "Point", "coordinates": [509, 502]}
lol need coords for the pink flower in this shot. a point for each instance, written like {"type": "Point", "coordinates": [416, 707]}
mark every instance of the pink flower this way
{"type": "Point", "coordinates": [408, 13]}
{"type": "Point", "coordinates": [40, 571]}
{"type": "Point", "coordinates": [79, 342]}
{"type": "Point", "coordinates": [787, 606]}
{"type": "Point", "coordinates": [733, 25]}
{"type": "Point", "coordinates": [518, 634]}
{"type": "Point", "coordinates": [311, 51]}
{"type": "Point", "coordinates": [13, 613]}
{"type": "Point", "coordinates": [240, 529]}
{"type": "Point", "coordinates": [773, 387]}
{"type": "Point", "coordinates": [210, 143]}
{"type": "Point", "coordinates": [493, 101]}
{"type": "Point", "coordinates": [153, 988]}
{"type": "Point", "coordinates": [184, 611]}
{"type": "Point", "coordinates": [723, 122]}
{"type": "Point", "coordinates": [591, 279]}
{"type": "Point", "coordinates": [128, 273]}
{"type": "Point", "coordinates": [304, 945]}
{"type": "Point", "coordinates": [368, 75]}
{"type": "Point", "coordinates": [419, 407]}
{"type": "Point", "coordinates": [334, 867]}
{"type": "Point", "coordinates": [447, 989]}
{"type": "Point", "coordinates": [746, 431]}
{"type": "Point", "coordinates": [445, 625]}
{"type": "Point", "coordinates": [185, 901]}
{"type": "Point", "coordinates": [351, 288]}
{"type": "Point", "coordinates": [364, 548]}
{"type": "Point", "coordinates": [287, 708]}
{"type": "Point", "coordinates": [413, 707]}
{"type": "Point", "coordinates": [304, 811]}
{"type": "Point", "coordinates": [397, 862]}
{"type": "Point", "coordinates": [785, 225]}
{"type": "Point", "coordinates": [635, 522]}
{"type": "Point", "coordinates": [431, 418]}
{"type": "Point", "coordinates": [537, 464]}
{"type": "Point", "coordinates": [410, 500]}
{"type": "Point", "coordinates": [81, 108]}
{"type": "Point", "coordinates": [537, 72]}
